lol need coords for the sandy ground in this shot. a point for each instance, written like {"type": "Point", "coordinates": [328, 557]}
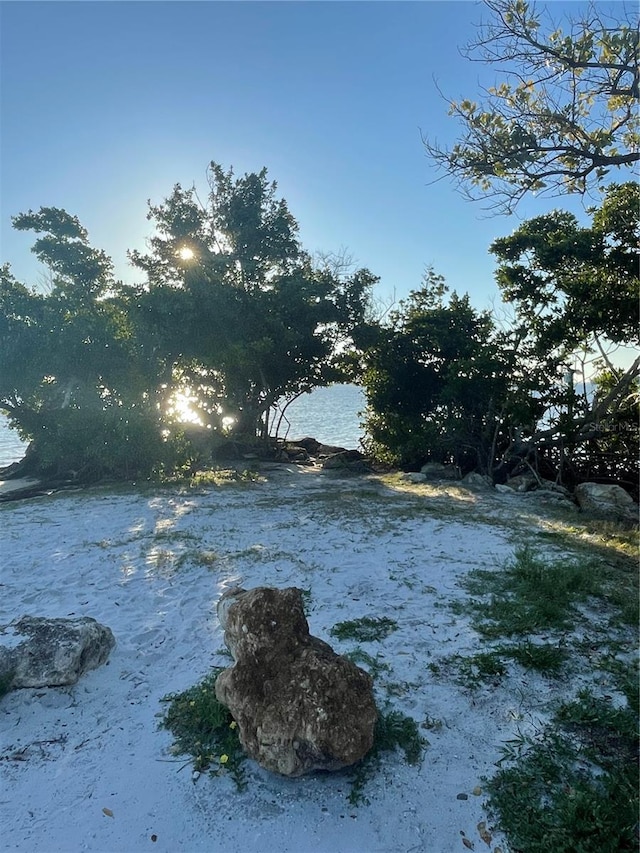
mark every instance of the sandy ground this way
{"type": "Point", "coordinates": [152, 566]}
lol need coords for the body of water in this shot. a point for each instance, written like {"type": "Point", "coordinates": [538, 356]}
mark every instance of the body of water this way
{"type": "Point", "coordinates": [11, 448]}
{"type": "Point", "coordinates": [330, 415]}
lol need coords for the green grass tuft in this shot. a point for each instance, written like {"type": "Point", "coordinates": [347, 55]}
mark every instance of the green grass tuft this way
{"type": "Point", "coordinates": [204, 728]}
{"type": "Point", "coordinates": [573, 789]}
{"type": "Point", "coordinates": [373, 664]}
{"type": "Point", "coordinates": [531, 595]}
{"type": "Point", "coordinates": [364, 630]}
{"type": "Point", "coordinates": [542, 657]}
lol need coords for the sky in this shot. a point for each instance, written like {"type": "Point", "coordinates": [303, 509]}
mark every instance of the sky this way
{"type": "Point", "coordinates": [106, 105]}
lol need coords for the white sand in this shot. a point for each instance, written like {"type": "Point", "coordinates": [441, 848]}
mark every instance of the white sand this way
{"type": "Point", "coordinates": [131, 561]}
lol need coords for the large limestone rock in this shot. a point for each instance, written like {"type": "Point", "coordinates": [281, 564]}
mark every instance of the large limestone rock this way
{"type": "Point", "coordinates": [40, 652]}
{"type": "Point", "coordinates": [606, 499]}
{"type": "Point", "coordinates": [299, 706]}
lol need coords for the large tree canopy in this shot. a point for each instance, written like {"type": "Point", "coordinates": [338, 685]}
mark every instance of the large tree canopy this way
{"type": "Point", "coordinates": [573, 284]}
{"type": "Point", "coordinates": [439, 384]}
{"type": "Point", "coordinates": [72, 378]}
{"type": "Point", "coordinates": [565, 112]}
{"type": "Point", "coordinates": [233, 314]}
{"type": "Point", "coordinates": [577, 288]}
{"type": "Point", "coordinates": [243, 314]}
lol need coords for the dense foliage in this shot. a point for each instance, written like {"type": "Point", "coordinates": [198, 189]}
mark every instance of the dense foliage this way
{"type": "Point", "coordinates": [73, 379]}
{"type": "Point", "coordinates": [564, 115]}
{"type": "Point", "coordinates": [445, 384]}
{"type": "Point", "coordinates": [232, 316]}
{"type": "Point", "coordinates": [239, 311]}
{"type": "Point", "coordinates": [577, 290]}
{"type": "Point", "coordinates": [438, 383]}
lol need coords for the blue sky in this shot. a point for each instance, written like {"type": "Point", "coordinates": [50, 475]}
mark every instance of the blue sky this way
{"type": "Point", "coordinates": [107, 104]}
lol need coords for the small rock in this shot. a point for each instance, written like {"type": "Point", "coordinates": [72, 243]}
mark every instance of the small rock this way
{"type": "Point", "coordinates": [414, 477]}
{"type": "Point", "coordinates": [437, 471]}
{"type": "Point", "coordinates": [504, 490]}
{"type": "Point", "coordinates": [522, 483]}
{"type": "Point", "coordinates": [348, 461]}
{"type": "Point", "coordinates": [481, 482]}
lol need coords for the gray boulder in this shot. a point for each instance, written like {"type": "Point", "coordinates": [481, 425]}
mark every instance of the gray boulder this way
{"type": "Point", "coordinates": [299, 706]}
{"type": "Point", "coordinates": [414, 477]}
{"type": "Point", "coordinates": [437, 471]}
{"type": "Point", "coordinates": [505, 490]}
{"type": "Point", "coordinates": [478, 482]}
{"type": "Point", "coordinates": [40, 652]}
{"type": "Point", "coordinates": [347, 462]}
{"type": "Point", "coordinates": [523, 483]}
{"type": "Point", "coordinates": [606, 499]}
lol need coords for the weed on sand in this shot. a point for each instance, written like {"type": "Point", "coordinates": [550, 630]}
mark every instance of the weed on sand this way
{"type": "Point", "coordinates": [530, 594]}
{"type": "Point", "coordinates": [571, 786]}
{"type": "Point", "coordinates": [367, 629]}
{"type": "Point", "coordinates": [574, 787]}
{"type": "Point", "coordinates": [394, 731]}
{"type": "Point", "coordinates": [204, 728]}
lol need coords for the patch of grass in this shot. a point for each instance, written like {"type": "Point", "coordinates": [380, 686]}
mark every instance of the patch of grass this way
{"type": "Point", "coordinates": [626, 676]}
{"type": "Point", "coordinates": [393, 731]}
{"type": "Point", "coordinates": [531, 595]}
{"type": "Point", "coordinates": [364, 630]}
{"type": "Point", "coordinates": [624, 597]}
{"type": "Point", "coordinates": [224, 476]}
{"type": "Point", "coordinates": [543, 657]}
{"type": "Point", "coordinates": [474, 670]}
{"type": "Point", "coordinates": [401, 688]}
{"type": "Point", "coordinates": [207, 477]}
{"type": "Point", "coordinates": [204, 728]}
{"type": "Point", "coordinates": [5, 683]}
{"type": "Point", "coordinates": [572, 789]}
{"type": "Point", "coordinates": [611, 540]}
{"type": "Point", "coordinates": [490, 666]}
{"type": "Point", "coordinates": [373, 664]}
{"type": "Point", "coordinates": [197, 557]}
{"type": "Point", "coordinates": [171, 535]}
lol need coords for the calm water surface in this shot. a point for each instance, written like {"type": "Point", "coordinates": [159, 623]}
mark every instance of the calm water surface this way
{"type": "Point", "coordinates": [329, 414]}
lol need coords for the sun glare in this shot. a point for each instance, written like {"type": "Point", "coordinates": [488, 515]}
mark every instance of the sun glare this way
{"type": "Point", "coordinates": [181, 410]}
{"type": "Point", "coordinates": [186, 254]}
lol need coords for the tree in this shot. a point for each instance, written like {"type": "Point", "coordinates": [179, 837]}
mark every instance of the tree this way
{"type": "Point", "coordinates": [242, 314]}
{"type": "Point", "coordinates": [565, 113]}
{"type": "Point", "coordinates": [439, 384]}
{"type": "Point", "coordinates": [575, 288]}
{"type": "Point", "coordinates": [233, 314]}
{"type": "Point", "coordinates": [71, 377]}
{"type": "Point", "coordinates": [574, 284]}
